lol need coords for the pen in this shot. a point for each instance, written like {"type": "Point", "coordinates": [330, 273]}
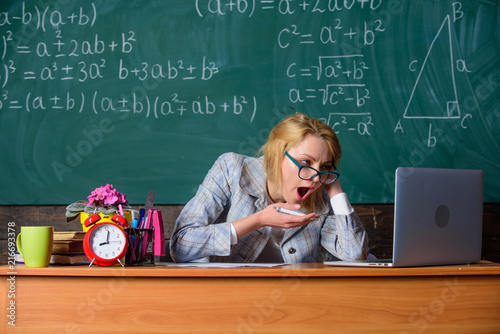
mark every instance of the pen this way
{"type": "Point", "coordinates": [141, 216]}
{"type": "Point", "coordinates": [289, 212]}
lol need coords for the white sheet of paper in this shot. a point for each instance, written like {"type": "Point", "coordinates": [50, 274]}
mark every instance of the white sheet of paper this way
{"type": "Point", "coordinates": [219, 265]}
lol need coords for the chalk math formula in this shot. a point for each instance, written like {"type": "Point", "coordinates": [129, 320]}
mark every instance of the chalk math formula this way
{"type": "Point", "coordinates": [319, 58]}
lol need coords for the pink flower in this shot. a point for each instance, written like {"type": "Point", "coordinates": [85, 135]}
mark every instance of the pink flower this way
{"type": "Point", "coordinates": [106, 195]}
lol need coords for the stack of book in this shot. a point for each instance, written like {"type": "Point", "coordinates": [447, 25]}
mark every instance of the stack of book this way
{"type": "Point", "coordinates": [67, 249]}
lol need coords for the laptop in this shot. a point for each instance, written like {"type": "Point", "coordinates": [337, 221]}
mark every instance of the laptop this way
{"type": "Point", "coordinates": [438, 219]}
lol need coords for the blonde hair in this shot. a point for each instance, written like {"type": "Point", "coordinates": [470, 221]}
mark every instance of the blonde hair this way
{"type": "Point", "coordinates": [288, 133]}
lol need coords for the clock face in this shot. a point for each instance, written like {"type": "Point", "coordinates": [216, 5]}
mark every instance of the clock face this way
{"type": "Point", "coordinates": [107, 241]}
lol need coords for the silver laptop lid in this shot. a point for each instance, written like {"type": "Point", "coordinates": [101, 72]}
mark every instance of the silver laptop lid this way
{"type": "Point", "coordinates": [438, 215]}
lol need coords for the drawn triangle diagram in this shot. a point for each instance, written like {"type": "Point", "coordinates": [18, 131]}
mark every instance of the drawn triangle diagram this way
{"type": "Point", "coordinates": [434, 95]}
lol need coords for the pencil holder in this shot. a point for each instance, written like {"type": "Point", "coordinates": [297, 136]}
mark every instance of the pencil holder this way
{"type": "Point", "coordinates": [141, 246]}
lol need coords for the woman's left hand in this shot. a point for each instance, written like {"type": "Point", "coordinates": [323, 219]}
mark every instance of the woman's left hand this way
{"type": "Point", "coordinates": [333, 189]}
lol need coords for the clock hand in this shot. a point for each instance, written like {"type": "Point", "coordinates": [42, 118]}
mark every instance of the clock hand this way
{"type": "Point", "coordinates": [105, 242]}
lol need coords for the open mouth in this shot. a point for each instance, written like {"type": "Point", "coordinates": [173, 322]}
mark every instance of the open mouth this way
{"type": "Point", "coordinates": [303, 192]}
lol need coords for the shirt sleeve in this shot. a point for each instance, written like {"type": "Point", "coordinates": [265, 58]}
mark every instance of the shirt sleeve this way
{"type": "Point", "coordinates": [234, 235]}
{"type": "Point", "coordinates": [196, 236]}
{"type": "Point", "coordinates": [341, 205]}
{"type": "Point", "coordinates": [343, 234]}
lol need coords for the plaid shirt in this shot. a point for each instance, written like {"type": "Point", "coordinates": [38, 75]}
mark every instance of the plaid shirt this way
{"type": "Point", "coordinates": [235, 187]}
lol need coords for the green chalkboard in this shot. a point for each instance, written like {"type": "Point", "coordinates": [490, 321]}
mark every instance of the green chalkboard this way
{"type": "Point", "coordinates": [145, 95]}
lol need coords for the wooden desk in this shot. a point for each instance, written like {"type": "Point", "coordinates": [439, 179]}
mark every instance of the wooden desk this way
{"type": "Point", "coordinates": [303, 298]}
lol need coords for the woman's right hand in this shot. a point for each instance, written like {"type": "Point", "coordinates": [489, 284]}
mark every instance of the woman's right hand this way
{"type": "Point", "coordinates": [271, 217]}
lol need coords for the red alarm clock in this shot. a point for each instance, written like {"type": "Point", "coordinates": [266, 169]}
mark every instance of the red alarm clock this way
{"type": "Point", "coordinates": [105, 243]}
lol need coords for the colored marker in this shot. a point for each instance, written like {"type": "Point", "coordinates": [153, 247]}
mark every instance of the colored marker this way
{"type": "Point", "coordinates": [120, 209]}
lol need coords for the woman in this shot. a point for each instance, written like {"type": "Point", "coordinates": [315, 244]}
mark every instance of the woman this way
{"type": "Point", "coordinates": [234, 217]}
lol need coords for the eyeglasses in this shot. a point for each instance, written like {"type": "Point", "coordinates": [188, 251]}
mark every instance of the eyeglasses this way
{"type": "Point", "coordinates": [309, 173]}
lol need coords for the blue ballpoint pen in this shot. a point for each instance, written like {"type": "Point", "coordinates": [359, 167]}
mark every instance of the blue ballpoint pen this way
{"type": "Point", "coordinates": [141, 216]}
